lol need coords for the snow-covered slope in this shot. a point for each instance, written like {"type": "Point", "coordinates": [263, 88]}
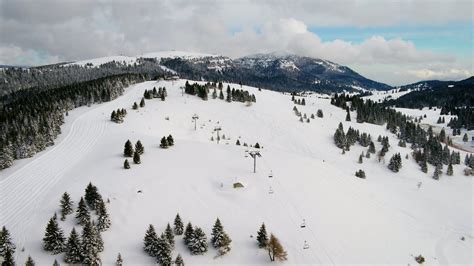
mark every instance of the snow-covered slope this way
{"type": "Point", "coordinates": [383, 219]}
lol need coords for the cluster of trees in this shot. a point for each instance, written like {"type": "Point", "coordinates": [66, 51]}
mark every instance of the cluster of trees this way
{"type": "Point", "coordinates": [128, 151]}
{"type": "Point", "coordinates": [161, 247]}
{"type": "Point", "coordinates": [395, 163]}
{"type": "Point", "coordinates": [345, 140]}
{"type": "Point", "coordinates": [30, 119]}
{"type": "Point", "coordinates": [142, 104]}
{"type": "Point", "coordinates": [464, 119]}
{"type": "Point", "coordinates": [272, 245]}
{"type": "Point", "coordinates": [82, 249]}
{"type": "Point", "coordinates": [160, 93]}
{"type": "Point", "coordinates": [297, 101]}
{"type": "Point", "coordinates": [118, 116]}
{"type": "Point", "coordinates": [440, 120]}
{"type": "Point", "coordinates": [166, 142]}
{"type": "Point", "coordinates": [233, 94]}
{"type": "Point", "coordinates": [360, 174]}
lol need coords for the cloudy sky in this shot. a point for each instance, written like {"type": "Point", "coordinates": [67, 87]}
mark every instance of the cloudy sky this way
{"type": "Point", "coordinates": [393, 41]}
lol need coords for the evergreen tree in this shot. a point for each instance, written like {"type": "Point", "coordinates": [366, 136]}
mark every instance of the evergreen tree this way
{"type": "Point", "coordinates": [128, 149]}
{"type": "Point", "coordinates": [150, 241]}
{"type": "Point", "coordinates": [29, 262]}
{"type": "Point", "coordinates": [214, 94]}
{"type": "Point", "coordinates": [53, 239]}
{"type": "Point", "coordinates": [361, 160]}
{"type": "Point", "coordinates": [348, 115]}
{"type": "Point", "coordinates": [142, 102]}
{"type": "Point", "coordinates": [126, 164]}
{"type": "Point", "coordinates": [275, 249]}
{"type": "Point", "coordinates": [424, 166]}
{"type": "Point", "coordinates": [6, 242]}
{"type": "Point", "coordinates": [119, 261]}
{"type": "Point", "coordinates": [262, 237]}
{"type": "Point", "coordinates": [340, 138]}
{"type": "Point", "coordinates": [237, 143]}
{"type": "Point", "coordinates": [139, 147]}
{"type": "Point", "coordinates": [170, 140]}
{"type": "Point", "coordinates": [371, 147]}
{"type": "Point", "coordinates": [82, 213]}
{"type": "Point", "coordinates": [8, 258]}
{"type": "Point", "coordinates": [437, 172]}
{"type": "Point", "coordinates": [395, 163]}
{"type": "Point", "coordinates": [164, 143]}
{"type": "Point", "coordinates": [91, 244]}
{"type": "Point", "coordinates": [92, 196]}
{"type": "Point", "coordinates": [198, 242]}
{"type": "Point", "coordinates": [135, 106]}
{"type": "Point", "coordinates": [66, 206]}
{"type": "Point", "coordinates": [73, 249]}
{"type": "Point", "coordinates": [257, 146]}
{"type": "Point", "coordinates": [220, 239]}
{"type": "Point", "coordinates": [103, 222]}
{"type": "Point", "coordinates": [163, 254]}
{"type": "Point", "coordinates": [360, 173]}
{"type": "Point", "coordinates": [465, 138]}
{"type": "Point", "coordinates": [178, 225]}
{"type": "Point", "coordinates": [188, 233]}
{"type": "Point", "coordinates": [169, 235]}
{"type": "Point", "coordinates": [320, 113]}
{"type": "Point", "coordinates": [179, 260]}
{"type": "Point", "coordinates": [55, 263]}
{"type": "Point", "coordinates": [221, 95]}
{"type": "Point", "coordinates": [449, 172]}
{"type": "Point", "coordinates": [136, 158]}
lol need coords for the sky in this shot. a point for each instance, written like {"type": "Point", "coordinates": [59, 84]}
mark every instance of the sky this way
{"type": "Point", "coordinates": [392, 41]}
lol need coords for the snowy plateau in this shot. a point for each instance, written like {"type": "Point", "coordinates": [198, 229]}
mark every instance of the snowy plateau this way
{"type": "Point", "coordinates": [386, 218]}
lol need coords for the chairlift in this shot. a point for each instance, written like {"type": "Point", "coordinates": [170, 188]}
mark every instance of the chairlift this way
{"type": "Point", "coordinates": [271, 174]}
{"type": "Point", "coordinates": [270, 191]}
{"type": "Point", "coordinates": [303, 224]}
{"type": "Point", "coordinates": [305, 245]}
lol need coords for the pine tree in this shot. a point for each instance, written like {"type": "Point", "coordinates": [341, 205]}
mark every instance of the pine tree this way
{"type": "Point", "coordinates": [6, 242]}
{"type": "Point", "coordinates": [319, 113]}
{"type": "Point", "coordinates": [82, 213]}
{"type": "Point", "coordinates": [142, 102]}
{"type": "Point", "coordinates": [103, 221]}
{"type": "Point", "coordinates": [221, 95]}
{"type": "Point", "coordinates": [91, 244]}
{"type": "Point", "coordinates": [361, 160]}
{"type": "Point", "coordinates": [424, 166]}
{"type": "Point", "coordinates": [449, 171]}
{"type": "Point", "coordinates": [163, 255]}
{"type": "Point", "coordinates": [262, 237]}
{"type": "Point", "coordinates": [8, 258]}
{"type": "Point", "coordinates": [170, 140]}
{"type": "Point", "coordinates": [348, 115]}
{"type": "Point", "coordinates": [220, 239]}
{"type": "Point", "coordinates": [66, 206]}
{"type": "Point", "coordinates": [188, 233]}
{"type": "Point", "coordinates": [73, 248]}
{"type": "Point", "coordinates": [150, 241]}
{"type": "Point", "coordinates": [198, 242]}
{"type": "Point", "coordinates": [53, 239]}
{"type": "Point", "coordinates": [126, 164]}
{"type": "Point", "coordinates": [275, 249]}
{"type": "Point", "coordinates": [257, 146]}
{"type": "Point", "coordinates": [56, 263]}
{"type": "Point", "coordinates": [135, 106]}
{"type": "Point", "coordinates": [237, 143]}
{"type": "Point", "coordinates": [179, 260]}
{"type": "Point", "coordinates": [119, 261]}
{"type": "Point", "coordinates": [136, 158]}
{"type": "Point", "coordinates": [139, 147]}
{"type": "Point", "coordinates": [371, 147]}
{"type": "Point", "coordinates": [169, 235]}
{"type": "Point", "coordinates": [29, 262]}
{"type": "Point", "coordinates": [437, 172]}
{"type": "Point", "coordinates": [92, 196]}
{"type": "Point", "coordinates": [178, 225]}
{"type": "Point", "coordinates": [395, 163]}
{"type": "Point", "coordinates": [128, 149]}
{"type": "Point", "coordinates": [164, 143]}
{"type": "Point", "coordinates": [465, 138]}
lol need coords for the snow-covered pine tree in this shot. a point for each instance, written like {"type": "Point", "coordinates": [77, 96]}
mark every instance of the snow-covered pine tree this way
{"type": "Point", "coordinates": [142, 102]}
{"type": "Point", "coordinates": [348, 115]}
{"type": "Point", "coordinates": [90, 245]}
{"type": "Point", "coordinates": [465, 138]}
{"type": "Point", "coordinates": [262, 237]}
{"type": "Point", "coordinates": [179, 260]}
{"type": "Point", "coordinates": [437, 172]}
{"type": "Point", "coordinates": [237, 143]}
{"type": "Point", "coordinates": [103, 221]}
{"type": "Point", "coordinates": [169, 235]}
{"type": "Point", "coordinates": [119, 261]}
{"type": "Point", "coordinates": [163, 255]}
{"type": "Point", "coordinates": [219, 238]}
{"type": "Point", "coordinates": [361, 158]}
{"type": "Point", "coordinates": [8, 259]}
{"type": "Point", "coordinates": [424, 166]}
{"type": "Point", "coordinates": [54, 240]}
{"type": "Point", "coordinates": [198, 242]}
{"type": "Point", "coordinates": [395, 163]}
{"type": "Point", "coordinates": [56, 263]}
{"type": "Point", "coordinates": [126, 164]}
{"type": "Point", "coordinates": [449, 171]}
{"type": "Point", "coordinates": [66, 206]}
{"type": "Point", "coordinates": [82, 212]}
{"type": "Point", "coordinates": [178, 225]}
{"type": "Point", "coordinates": [139, 147]}
{"type": "Point", "coordinates": [6, 242]}
{"type": "Point", "coordinates": [136, 158]}
{"type": "Point", "coordinates": [164, 143]}
{"type": "Point", "coordinates": [371, 147]}
{"type": "Point", "coordinates": [150, 241]}
{"type": "Point", "coordinates": [30, 262]}
{"type": "Point", "coordinates": [135, 106]}
{"type": "Point", "coordinates": [73, 248]}
{"type": "Point", "coordinates": [170, 140]}
{"type": "Point", "coordinates": [92, 196]}
{"type": "Point", "coordinates": [188, 233]}
{"type": "Point", "coordinates": [128, 149]}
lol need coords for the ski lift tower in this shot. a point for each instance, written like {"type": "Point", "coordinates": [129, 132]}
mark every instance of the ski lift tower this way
{"type": "Point", "coordinates": [195, 118]}
{"type": "Point", "coordinates": [217, 129]}
{"type": "Point", "coordinates": [254, 155]}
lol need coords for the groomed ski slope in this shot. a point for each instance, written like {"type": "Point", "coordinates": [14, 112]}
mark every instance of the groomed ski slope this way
{"type": "Point", "coordinates": [384, 219]}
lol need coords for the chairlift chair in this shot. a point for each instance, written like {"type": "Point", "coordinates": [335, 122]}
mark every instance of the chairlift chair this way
{"type": "Point", "coordinates": [303, 224]}
{"type": "Point", "coordinates": [271, 174]}
{"type": "Point", "coordinates": [270, 191]}
{"type": "Point", "coordinates": [305, 245]}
